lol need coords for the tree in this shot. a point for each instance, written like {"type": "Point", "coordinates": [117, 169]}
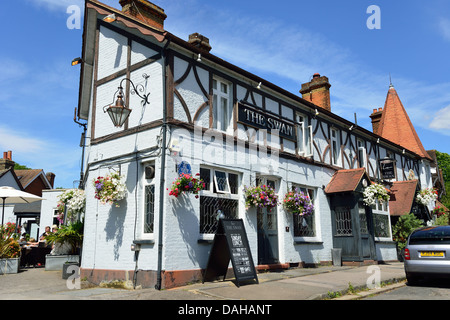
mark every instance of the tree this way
{"type": "Point", "coordinates": [443, 160]}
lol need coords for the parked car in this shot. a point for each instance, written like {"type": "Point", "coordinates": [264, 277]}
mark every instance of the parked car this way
{"type": "Point", "coordinates": [427, 253]}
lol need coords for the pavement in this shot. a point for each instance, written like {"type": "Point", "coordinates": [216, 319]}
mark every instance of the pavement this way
{"type": "Point", "coordinates": [325, 282]}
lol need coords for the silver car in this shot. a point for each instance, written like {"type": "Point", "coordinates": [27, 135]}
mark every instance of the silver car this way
{"type": "Point", "coordinates": [427, 253]}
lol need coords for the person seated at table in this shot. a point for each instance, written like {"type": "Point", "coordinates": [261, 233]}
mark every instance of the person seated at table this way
{"type": "Point", "coordinates": [47, 232]}
{"type": "Point", "coordinates": [32, 243]}
{"type": "Point", "coordinates": [23, 241]}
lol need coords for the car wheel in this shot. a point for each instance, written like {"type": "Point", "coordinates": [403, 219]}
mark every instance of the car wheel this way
{"type": "Point", "coordinates": [412, 279]}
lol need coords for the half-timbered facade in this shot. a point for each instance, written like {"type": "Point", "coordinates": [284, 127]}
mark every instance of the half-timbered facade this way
{"type": "Point", "coordinates": [204, 115]}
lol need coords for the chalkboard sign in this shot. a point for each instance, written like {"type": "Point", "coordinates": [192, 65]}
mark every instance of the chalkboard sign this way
{"type": "Point", "coordinates": [387, 168]}
{"type": "Point", "coordinates": [230, 243]}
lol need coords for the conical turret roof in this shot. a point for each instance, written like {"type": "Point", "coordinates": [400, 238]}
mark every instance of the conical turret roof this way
{"type": "Point", "coordinates": [396, 126]}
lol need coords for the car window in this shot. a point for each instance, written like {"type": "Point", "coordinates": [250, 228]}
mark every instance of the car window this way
{"type": "Point", "coordinates": [438, 235]}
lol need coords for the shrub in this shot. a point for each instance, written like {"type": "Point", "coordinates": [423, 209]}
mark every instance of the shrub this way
{"type": "Point", "coordinates": [403, 228]}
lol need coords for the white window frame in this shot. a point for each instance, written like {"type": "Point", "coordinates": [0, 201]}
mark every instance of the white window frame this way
{"type": "Point", "coordinates": [142, 235]}
{"type": "Point", "coordinates": [219, 193]}
{"type": "Point", "coordinates": [308, 189]}
{"type": "Point", "coordinates": [222, 121]}
{"type": "Point", "coordinates": [304, 136]}
{"type": "Point", "coordinates": [335, 146]}
{"type": "Point", "coordinates": [382, 209]}
{"type": "Point", "coordinates": [361, 151]}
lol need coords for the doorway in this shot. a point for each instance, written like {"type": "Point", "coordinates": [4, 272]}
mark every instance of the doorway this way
{"type": "Point", "coordinates": [267, 225]}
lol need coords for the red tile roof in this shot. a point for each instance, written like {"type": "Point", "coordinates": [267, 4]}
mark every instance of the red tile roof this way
{"type": "Point", "coordinates": [345, 180]}
{"type": "Point", "coordinates": [396, 126]}
{"type": "Point", "coordinates": [402, 197]}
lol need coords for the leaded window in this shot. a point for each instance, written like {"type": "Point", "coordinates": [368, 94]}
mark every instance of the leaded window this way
{"type": "Point", "coordinates": [220, 196]}
{"type": "Point", "coordinates": [149, 215]}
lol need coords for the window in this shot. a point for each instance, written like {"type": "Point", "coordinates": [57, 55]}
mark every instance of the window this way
{"type": "Point", "coordinates": [335, 146]}
{"type": "Point", "coordinates": [304, 136]}
{"type": "Point", "coordinates": [222, 106]}
{"type": "Point", "coordinates": [149, 215]}
{"type": "Point", "coordinates": [362, 156]}
{"type": "Point", "coordinates": [148, 218]}
{"type": "Point", "coordinates": [304, 226]}
{"type": "Point", "coordinates": [381, 221]}
{"type": "Point", "coordinates": [219, 196]}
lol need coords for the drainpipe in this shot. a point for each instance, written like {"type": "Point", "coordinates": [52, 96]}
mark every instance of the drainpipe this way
{"type": "Point", "coordinates": [162, 174]}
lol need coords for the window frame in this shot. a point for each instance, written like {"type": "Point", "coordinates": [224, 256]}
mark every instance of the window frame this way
{"type": "Point", "coordinates": [142, 235]}
{"type": "Point", "coordinates": [362, 161]}
{"type": "Point", "coordinates": [382, 209]}
{"type": "Point", "coordinates": [313, 194]}
{"type": "Point", "coordinates": [305, 139]}
{"type": "Point", "coordinates": [218, 114]}
{"type": "Point", "coordinates": [212, 191]}
{"type": "Point", "coordinates": [335, 154]}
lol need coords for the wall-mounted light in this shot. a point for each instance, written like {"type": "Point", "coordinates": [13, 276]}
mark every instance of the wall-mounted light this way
{"type": "Point", "coordinates": [76, 61]}
{"type": "Point", "coordinates": [259, 85]}
{"type": "Point", "coordinates": [351, 128]}
{"type": "Point", "coordinates": [119, 112]}
{"type": "Point", "coordinates": [378, 140]}
{"type": "Point", "coordinates": [199, 57]}
{"type": "Point", "coordinates": [110, 18]}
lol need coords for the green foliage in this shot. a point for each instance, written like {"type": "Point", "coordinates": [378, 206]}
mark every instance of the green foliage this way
{"type": "Point", "coordinates": [403, 228]}
{"type": "Point", "coordinates": [9, 246]}
{"type": "Point", "coordinates": [442, 220]}
{"type": "Point", "coordinates": [20, 167]}
{"type": "Point", "coordinates": [72, 234]}
{"type": "Point", "coordinates": [443, 160]}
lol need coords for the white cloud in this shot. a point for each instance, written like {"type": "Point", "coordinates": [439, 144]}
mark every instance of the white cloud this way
{"type": "Point", "coordinates": [441, 120]}
{"type": "Point", "coordinates": [38, 152]}
{"type": "Point", "coordinates": [57, 4]}
{"type": "Point", "coordinates": [444, 28]}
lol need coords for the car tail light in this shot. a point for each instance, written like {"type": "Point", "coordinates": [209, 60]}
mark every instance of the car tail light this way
{"type": "Point", "coordinates": [407, 256]}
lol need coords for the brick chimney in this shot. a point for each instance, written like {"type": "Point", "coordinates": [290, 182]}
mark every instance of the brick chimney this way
{"type": "Point", "coordinates": [200, 41]}
{"type": "Point", "coordinates": [6, 163]}
{"type": "Point", "coordinates": [376, 118]}
{"type": "Point", "coordinates": [317, 91]}
{"type": "Point", "coordinates": [51, 178]}
{"type": "Point", "coordinates": [145, 11]}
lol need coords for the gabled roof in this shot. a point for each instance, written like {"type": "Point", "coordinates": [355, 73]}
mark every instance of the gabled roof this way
{"type": "Point", "coordinates": [403, 193]}
{"type": "Point", "coordinates": [346, 180]}
{"type": "Point", "coordinates": [28, 176]}
{"type": "Point", "coordinates": [396, 126]}
{"type": "Point", "coordinates": [11, 171]}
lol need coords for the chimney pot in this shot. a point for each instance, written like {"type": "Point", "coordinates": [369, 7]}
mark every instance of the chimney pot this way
{"type": "Point", "coordinates": [376, 118]}
{"type": "Point", "coordinates": [317, 91]}
{"type": "Point", "coordinates": [200, 41]}
{"type": "Point", "coordinates": [145, 11]}
{"type": "Point", "coordinates": [6, 163]}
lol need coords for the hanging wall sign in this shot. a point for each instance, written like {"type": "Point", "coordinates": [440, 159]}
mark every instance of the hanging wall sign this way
{"type": "Point", "coordinates": [387, 168]}
{"type": "Point", "coordinates": [230, 243]}
{"type": "Point", "coordinates": [261, 120]}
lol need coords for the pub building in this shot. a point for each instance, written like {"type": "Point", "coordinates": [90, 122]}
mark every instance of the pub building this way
{"type": "Point", "coordinates": [158, 106]}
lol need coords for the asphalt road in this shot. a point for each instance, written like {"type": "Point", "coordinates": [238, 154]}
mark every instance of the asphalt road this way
{"type": "Point", "coordinates": [425, 290]}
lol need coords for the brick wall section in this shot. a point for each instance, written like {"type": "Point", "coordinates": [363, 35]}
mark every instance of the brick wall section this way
{"type": "Point", "coordinates": [317, 91]}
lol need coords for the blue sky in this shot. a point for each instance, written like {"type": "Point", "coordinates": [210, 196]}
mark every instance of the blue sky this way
{"type": "Point", "coordinates": [284, 42]}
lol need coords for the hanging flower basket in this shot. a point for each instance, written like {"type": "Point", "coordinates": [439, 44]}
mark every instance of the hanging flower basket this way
{"type": "Point", "coordinates": [110, 189]}
{"type": "Point", "coordinates": [74, 200]}
{"type": "Point", "coordinates": [186, 183]}
{"type": "Point", "coordinates": [375, 192]}
{"type": "Point", "coordinates": [426, 196]}
{"type": "Point", "coordinates": [298, 203]}
{"type": "Point", "coordinates": [260, 197]}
